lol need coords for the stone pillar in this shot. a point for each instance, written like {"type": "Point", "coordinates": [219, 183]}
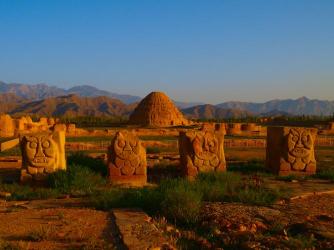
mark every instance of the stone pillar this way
{"type": "Point", "coordinates": [202, 151]}
{"type": "Point", "coordinates": [42, 153]}
{"type": "Point", "coordinates": [290, 150]}
{"type": "Point", "coordinates": [127, 160]}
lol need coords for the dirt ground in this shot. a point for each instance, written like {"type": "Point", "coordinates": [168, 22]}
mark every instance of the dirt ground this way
{"type": "Point", "coordinates": [54, 224]}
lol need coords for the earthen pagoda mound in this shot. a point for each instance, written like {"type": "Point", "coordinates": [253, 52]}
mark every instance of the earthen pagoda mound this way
{"type": "Point", "coordinates": [157, 110]}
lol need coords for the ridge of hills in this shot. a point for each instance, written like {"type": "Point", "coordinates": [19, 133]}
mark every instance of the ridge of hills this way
{"type": "Point", "coordinates": [42, 99]}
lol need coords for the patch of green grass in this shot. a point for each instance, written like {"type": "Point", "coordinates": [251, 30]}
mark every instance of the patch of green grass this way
{"type": "Point", "coordinates": [82, 159]}
{"type": "Point", "coordinates": [251, 167]}
{"type": "Point", "coordinates": [326, 174]}
{"type": "Point", "coordinates": [20, 192]}
{"type": "Point", "coordinates": [180, 200]}
{"type": "Point", "coordinates": [76, 180]}
{"type": "Point", "coordinates": [157, 138]}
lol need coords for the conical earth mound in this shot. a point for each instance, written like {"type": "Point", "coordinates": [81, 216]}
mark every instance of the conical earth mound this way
{"type": "Point", "coordinates": [157, 110]}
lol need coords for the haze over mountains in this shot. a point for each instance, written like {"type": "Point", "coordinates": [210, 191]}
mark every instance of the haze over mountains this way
{"type": "Point", "coordinates": [87, 100]}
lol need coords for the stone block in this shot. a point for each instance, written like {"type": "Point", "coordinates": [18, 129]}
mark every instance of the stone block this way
{"type": "Point", "coordinates": [290, 150]}
{"type": "Point", "coordinates": [127, 160]}
{"type": "Point", "coordinates": [202, 151]}
{"type": "Point", "coordinates": [42, 153]}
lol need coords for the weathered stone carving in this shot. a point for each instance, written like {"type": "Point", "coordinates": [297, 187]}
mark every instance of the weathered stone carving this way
{"type": "Point", "coordinates": [127, 160]}
{"type": "Point", "coordinates": [202, 151]}
{"type": "Point", "coordinates": [290, 150]}
{"type": "Point", "coordinates": [42, 153]}
{"type": "Point", "coordinates": [157, 110]}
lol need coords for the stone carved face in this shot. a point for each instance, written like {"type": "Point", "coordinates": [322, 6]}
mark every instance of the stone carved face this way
{"type": "Point", "coordinates": [205, 151]}
{"type": "Point", "coordinates": [126, 146]}
{"type": "Point", "coordinates": [300, 147]}
{"type": "Point", "coordinates": [127, 150]}
{"type": "Point", "coordinates": [40, 151]}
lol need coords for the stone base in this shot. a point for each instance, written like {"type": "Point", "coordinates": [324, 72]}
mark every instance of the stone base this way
{"type": "Point", "coordinates": [126, 180]}
{"type": "Point", "coordinates": [39, 179]}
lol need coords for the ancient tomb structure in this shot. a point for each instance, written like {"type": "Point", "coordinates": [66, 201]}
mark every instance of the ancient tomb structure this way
{"type": "Point", "coordinates": [157, 110]}
{"type": "Point", "coordinates": [202, 151]}
{"type": "Point", "coordinates": [42, 153]}
{"type": "Point", "coordinates": [7, 126]}
{"type": "Point", "coordinates": [127, 160]}
{"type": "Point", "coordinates": [290, 150]}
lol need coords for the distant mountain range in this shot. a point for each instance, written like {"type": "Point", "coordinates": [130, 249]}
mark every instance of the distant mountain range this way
{"type": "Point", "coordinates": [87, 100]}
{"type": "Point", "coordinates": [300, 106]}
{"type": "Point", "coordinates": [42, 91]}
{"type": "Point", "coordinates": [208, 111]}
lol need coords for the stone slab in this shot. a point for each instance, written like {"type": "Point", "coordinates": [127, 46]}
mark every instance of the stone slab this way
{"type": "Point", "coordinates": [9, 144]}
{"type": "Point", "coordinates": [137, 231]}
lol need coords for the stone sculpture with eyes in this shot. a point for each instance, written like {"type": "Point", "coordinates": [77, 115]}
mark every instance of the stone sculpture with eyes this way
{"type": "Point", "coordinates": [42, 153]}
{"type": "Point", "coordinates": [127, 160]}
{"type": "Point", "coordinates": [291, 150]}
{"type": "Point", "coordinates": [202, 151]}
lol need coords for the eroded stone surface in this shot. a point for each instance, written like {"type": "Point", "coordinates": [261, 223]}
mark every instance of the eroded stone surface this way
{"type": "Point", "coordinates": [127, 160]}
{"type": "Point", "coordinates": [202, 151]}
{"type": "Point", "coordinates": [42, 153]}
{"type": "Point", "coordinates": [157, 110]}
{"type": "Point", "coordinates": [138, 232]}
{"type": "Point", "coordinates": [291, 150]}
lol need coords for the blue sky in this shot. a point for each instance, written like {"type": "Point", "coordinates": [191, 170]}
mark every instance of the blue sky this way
{"type": "Point", "coordinates": [209, 51]}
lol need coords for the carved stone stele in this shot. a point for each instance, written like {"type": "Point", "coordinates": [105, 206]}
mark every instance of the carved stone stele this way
{"type": "Point", "coordinates": [202, 151]}
{"type": "Point", "coordinates": [42, 153]}
{"type": "Point", "coordinates": [290, 150]}
{"type": "Point", "coordinates": [127, 160]}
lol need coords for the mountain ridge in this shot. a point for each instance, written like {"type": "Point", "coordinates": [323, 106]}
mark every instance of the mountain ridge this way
{"type": "Point", "coordinates": [13, 94]}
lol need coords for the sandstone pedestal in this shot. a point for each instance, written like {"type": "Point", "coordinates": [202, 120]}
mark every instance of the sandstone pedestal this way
{"type": "Point", "coordinates": [42, 153]}
{"type": "Point", "coordinates": [127, 160]}
{"type": "Point", "coordinates": [202, 151]}
{"type": "Point", "coordinates": [290, 150]}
